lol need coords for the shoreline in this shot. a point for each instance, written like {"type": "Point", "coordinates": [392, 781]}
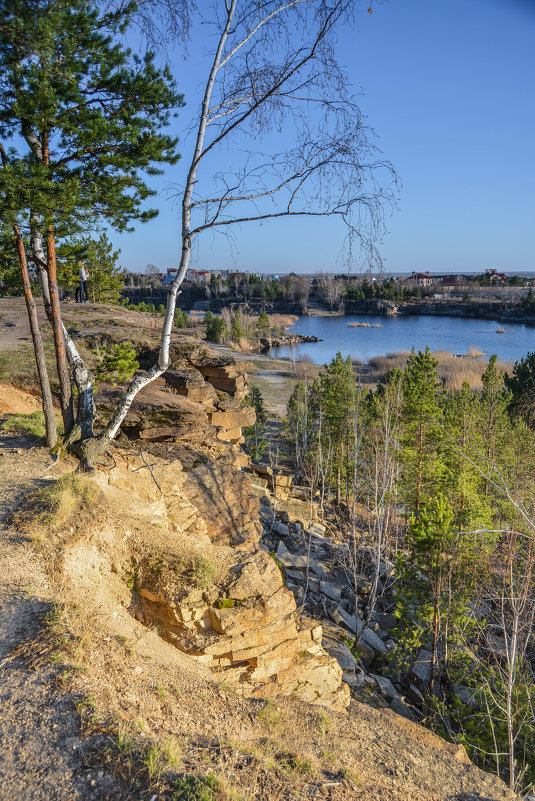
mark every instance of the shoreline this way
{"type": "Point", "coordinates": [475, 310]}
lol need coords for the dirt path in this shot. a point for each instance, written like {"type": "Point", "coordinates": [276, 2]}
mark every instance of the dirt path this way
{"type": "Point", "coordinates": [42, 753]}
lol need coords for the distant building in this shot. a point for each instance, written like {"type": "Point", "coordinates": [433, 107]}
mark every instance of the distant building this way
{"type": "Point", "coordinates": [422, 279]}
{"type": "Point", "coordinates": [450, 282]}
{"type": "Point", "coordinates": [198, 276]}
{"type": "Point", "coordinates": [495, 277]}
{"type": "Point", "coordinates": [169, 277]}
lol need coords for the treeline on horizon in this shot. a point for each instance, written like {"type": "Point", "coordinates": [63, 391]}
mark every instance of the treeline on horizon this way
{"type": "Point", "coordinates": [110, 283]}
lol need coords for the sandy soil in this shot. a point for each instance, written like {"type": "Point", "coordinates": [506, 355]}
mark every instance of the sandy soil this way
{"type": "Point", "coordinates": [15, 401]}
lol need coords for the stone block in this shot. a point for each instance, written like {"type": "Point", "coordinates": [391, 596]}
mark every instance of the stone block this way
{"type": "Point", "coordinates": [343, 656]}
{"type": "Point", "coordinates": [246, 416]}
{"type": "Point", "coordinates": [280, 528]}
{"type": "Point", "coordinates": [260, 492]}
{"type": "Point", "coordinates": [399, 706]}
{"type": "Point", "coordinates": [261, 469]}
{"type": "Point", "coordinates": [371, 639]}
{"type": "Point", "coordinates": [331, 590]}
{"type": "Point", "coordinates": [415, 696]}
{"type": "Point", "coordinates": [317, 528]}
{"type": "Point", "coordinates": [385, 686]}
{"type": "Point", "coordinates": [232, 435]}
{"type": "Point", "coordinates": [351, 623]}
{"type": "Point", "coordinates": [421, 670]}
{"type": "Point", "coordinates": [289, 559]}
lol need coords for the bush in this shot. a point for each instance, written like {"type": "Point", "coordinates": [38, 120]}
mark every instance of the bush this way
{"type": "Point", "coordinates": [116, 363]}
{"type": "Point", "coordinates": [215, 328]}
{"type": "Point", "coordinates": [181, 319]}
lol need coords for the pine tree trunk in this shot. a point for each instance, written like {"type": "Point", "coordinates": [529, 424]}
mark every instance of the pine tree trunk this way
{"type": "Point", "coordinates": [46, 394]}
{"type": "Point", "coordinates": [432, 670]}
{"type": "Point", "coordinates": [44, 383]}
{"type": "Point", "coordinates": [59, 342]}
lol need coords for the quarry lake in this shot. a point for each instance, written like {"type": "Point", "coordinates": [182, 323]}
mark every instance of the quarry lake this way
{"type": "Point", "coordinates": [452, 334]}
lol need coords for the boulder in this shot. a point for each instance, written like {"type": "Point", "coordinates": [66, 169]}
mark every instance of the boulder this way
{"type": "Point", "coordinates": [343, 656]}
{"type": "Point", "coordinates": [351, 623]}
{"type": "Point", "coordinates": [331, 590]}
{"type": "Point", "coordinates": [191, 384]}
{"type": "Point", "coordinates": [415, 696]}
{"type": "Point", "coordinates": [385, 686]}
{"type": "Point", "coordinates": [387, 621]}
{"type": "Point", "coordinates": [234, 419]}
{"type": "Point", "coordinates": [317, 528]}
{"type": "Point", "coordinates": [370, 638]}
{"type": "Point", "coordinates": [280, 528]}
{"type": "Point", "coordinates": [289, 559]}
{"type": "Point", "coordinates": [399, 706]}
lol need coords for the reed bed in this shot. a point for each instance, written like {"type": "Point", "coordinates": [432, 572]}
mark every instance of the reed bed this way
{"type": "Point", "coordinates": [364, 325]}
{"type": "Point", "coordinates": [280, 321]}
{"type": "Point", "coordinates": [453, 369]}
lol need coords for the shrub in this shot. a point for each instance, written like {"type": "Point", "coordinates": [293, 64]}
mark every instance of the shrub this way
{"type": "Point", "coordinates": [181, 319]}
{"type": "Point", "coordinates": [215, 328]}
{"type": "Point", "coordinates": [116, 363]}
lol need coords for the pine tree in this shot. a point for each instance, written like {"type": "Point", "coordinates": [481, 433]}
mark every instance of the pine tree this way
{"type": "Point", "coordinates": [10, 210]}
{"type": "Point", "coordinates": [255, 435]}
{"type": "Point", "coordinates": [337, 399]}
{"type": "Point", "coordinates": [464, 482]}
{"type": "Point", "coordinates": [106, 278]}
{"type": "Point", "coordinates": [10, 280]}
{"type": "Point", "coordinates": [495, 424]}
{"type": "Point", "coordinates": [90, 114]}
{"type": "Point", "coordinates": [215, 327]}
{"type": "Point", "coordinates": [440, 581]}
{"type": "Point", "coordinates": [423, 470]}
{"type": "Point", "coordinates": [263, 323]}
{"type": "Point", "coordinates": [521, 385]}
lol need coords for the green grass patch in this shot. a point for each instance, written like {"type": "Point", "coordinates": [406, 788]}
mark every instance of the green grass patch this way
{"type": "Point", "coordinates": [224, 603]}
{"type": "Point", "coordinates": [197, 788]}
{"type": "Point", "coordinates": [32, 424]}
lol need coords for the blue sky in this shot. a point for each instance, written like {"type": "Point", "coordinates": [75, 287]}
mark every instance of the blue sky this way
{"type": "Point", "coordinates": [448, 87]}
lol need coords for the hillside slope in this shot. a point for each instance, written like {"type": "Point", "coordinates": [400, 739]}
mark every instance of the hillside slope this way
{"type": "Point", "coordinates": [99, 702]}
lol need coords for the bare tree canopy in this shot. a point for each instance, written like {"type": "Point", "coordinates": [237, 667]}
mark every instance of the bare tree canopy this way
{"type": "Point", "coordinates": [275, 81]}
{"type": "Point", "coordinates": [274, 71]}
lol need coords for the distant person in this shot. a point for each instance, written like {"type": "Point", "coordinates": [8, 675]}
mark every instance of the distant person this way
{"type": "Point", "coordinates": [82, 292]}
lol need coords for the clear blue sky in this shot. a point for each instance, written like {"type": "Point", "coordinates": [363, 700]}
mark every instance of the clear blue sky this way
{"type": "Point", "coordinates": [448, 88]}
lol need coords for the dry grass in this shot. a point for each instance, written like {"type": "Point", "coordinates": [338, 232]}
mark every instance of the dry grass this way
{"type": "Point", "coordinates": [474, 352]}
{"type": "Point", "coordinates": [17, 366]}
{"type": "Point", "coordinates": [281, 321]}
{"type": "Point", "coordinates": [49, 509]}
{"type": "Point", "coordinates": [452, 370]}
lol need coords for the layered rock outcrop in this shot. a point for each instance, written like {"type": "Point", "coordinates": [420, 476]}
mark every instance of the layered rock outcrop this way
{"type": "Point", "coordinates": [205, 583]}
{"type": "Point", "coordinates": [199, 399]}
{"type": "Point", "coordinates": [213, 592]}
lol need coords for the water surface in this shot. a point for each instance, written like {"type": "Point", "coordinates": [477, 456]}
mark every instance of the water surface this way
{"type": "Point", "coordinates": [453, 334]}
